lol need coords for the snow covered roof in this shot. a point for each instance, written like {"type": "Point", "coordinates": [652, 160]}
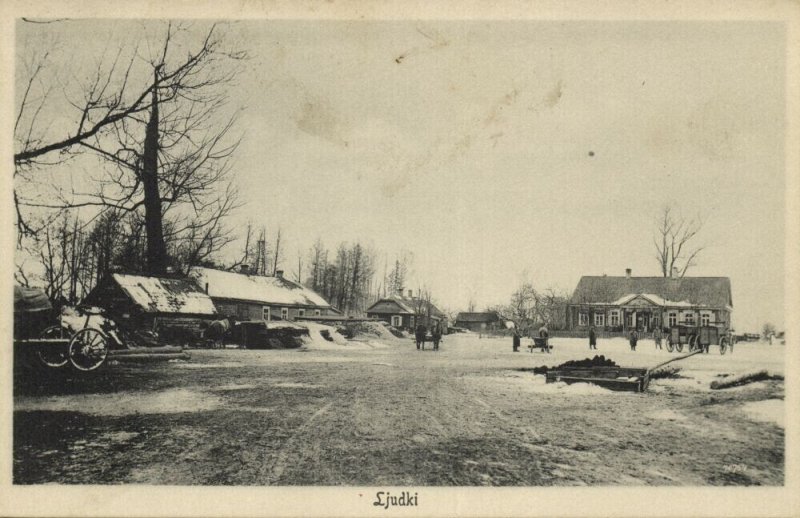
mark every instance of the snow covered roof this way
{"type": "Point", "coordinates": [256, 288]}
{"type": "Point", "coordinates": [406, 305]}
{"type": "Point", "coordinates": [696, 291]}
{"type": "Point", "coordinates": [161, 295]}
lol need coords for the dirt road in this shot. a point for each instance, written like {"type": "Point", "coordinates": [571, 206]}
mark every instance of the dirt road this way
{"type": "Point", "coordinates": [466, 415]}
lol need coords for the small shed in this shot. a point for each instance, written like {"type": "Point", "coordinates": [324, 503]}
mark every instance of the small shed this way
{"type": "Point", "coordinates": [174, 305]}
{"type": "Point", "coordinates": [480, 321]}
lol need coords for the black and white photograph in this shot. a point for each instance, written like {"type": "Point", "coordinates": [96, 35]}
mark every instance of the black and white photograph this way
{"type": "Point", "coordinates": [408, 261]}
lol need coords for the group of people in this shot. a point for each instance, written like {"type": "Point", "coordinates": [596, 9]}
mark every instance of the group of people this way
{"type": "Point", "coordinates": [517, 336]}
{"type": "Point", "coordinates": [421, 334]}
{"type": "Point", "coordinates": [633, 338]}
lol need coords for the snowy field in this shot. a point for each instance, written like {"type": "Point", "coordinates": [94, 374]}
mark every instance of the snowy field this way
{"type": "Point", "coordinates": [375, 411]}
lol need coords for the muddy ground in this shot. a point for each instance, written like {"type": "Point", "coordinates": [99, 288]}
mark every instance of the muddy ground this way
{"type": "Point", "coordinates": [391, 415]}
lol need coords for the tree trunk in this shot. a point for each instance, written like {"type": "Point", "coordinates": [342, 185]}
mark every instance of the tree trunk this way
{"type": "Point", "coordinates": [156, 249]}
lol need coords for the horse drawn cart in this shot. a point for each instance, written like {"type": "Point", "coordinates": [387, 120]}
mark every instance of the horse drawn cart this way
{"type": "Point", "coordinates": [699, 338]}
{"type": "Point", "coordinates": [542, 343]}
{"type": "Point", "coordinates": [55, 346]}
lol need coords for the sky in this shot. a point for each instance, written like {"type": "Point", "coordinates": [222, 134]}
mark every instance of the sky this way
{"type": "Point", "coordinates": [504, 151]}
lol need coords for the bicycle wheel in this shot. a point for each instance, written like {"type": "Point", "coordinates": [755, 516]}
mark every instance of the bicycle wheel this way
{"type": "Point", "coordinates": [53, 357]}
{"type": "Point", "coordinates": [88, 349]}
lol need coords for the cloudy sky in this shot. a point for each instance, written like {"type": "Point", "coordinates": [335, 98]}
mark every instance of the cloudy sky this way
{"type": "Point", "coordinates": [510, 150]}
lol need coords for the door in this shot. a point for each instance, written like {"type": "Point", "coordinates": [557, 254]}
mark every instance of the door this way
{"type": "Point", "coordinates": [643, 322]}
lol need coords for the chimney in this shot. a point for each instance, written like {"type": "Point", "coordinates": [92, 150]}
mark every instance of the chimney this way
{"type": "Point", "coordinates": [206, 288]}
{"type": "Point", "coordinates": [244, 268]}
{"type": "Point", "coordinates": [279, 274]}
{"type": "Point", "coordinates": [410, 294]}
{"type": "Point", "coordinates": [628, 273]}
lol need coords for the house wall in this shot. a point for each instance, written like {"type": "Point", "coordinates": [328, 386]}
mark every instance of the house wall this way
{"type": "Point", "coordinates": [409, 322]}
{"type": "Point", "coordinates": [478, 326]}
{"type": "Point", "coordinates": [406, 320]}
{"type": "Point", "coordinates": [241, 310]}
{"type": "Point", "coordinates": [716, 316]}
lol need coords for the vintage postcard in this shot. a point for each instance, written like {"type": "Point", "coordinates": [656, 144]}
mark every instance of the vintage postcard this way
{"type": "Point", "coordinates": [380, 259]}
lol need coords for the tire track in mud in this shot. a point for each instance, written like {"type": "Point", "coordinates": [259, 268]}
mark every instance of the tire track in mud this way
{"type": "Point", "coordinates": [285, 453]}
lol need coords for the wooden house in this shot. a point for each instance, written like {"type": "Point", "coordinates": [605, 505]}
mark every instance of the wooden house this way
{"type": "Point", "coordinates": [618, 304]}
{"type": "Point", "coordinates": [174, 305]}
{"type": "Point", "coordinates": [406, 312]}
{"type": "Point", "coordinates": [480, 322]}
{"type": "Point", "coordinates": [243, 296]}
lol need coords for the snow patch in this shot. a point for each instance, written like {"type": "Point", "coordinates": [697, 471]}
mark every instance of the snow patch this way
{"type": "Point", "coordinates": [316, 337]}
{"type": "Point", "coordinates": [235, 387]}
{"type": "Point", "coordinates": [173, 401]}
{"type": "Point", "coordinates": [538, 383]}
{"type": "Point", "coordinates": [221, 365]}
{"type": "Point", "coordinates": [292, 384]}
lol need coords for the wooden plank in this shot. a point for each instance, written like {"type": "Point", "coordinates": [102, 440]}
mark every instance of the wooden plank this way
{"type": "Point", "coordinates": [610, 383]}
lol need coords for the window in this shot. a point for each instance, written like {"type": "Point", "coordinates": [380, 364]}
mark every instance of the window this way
{"type": "Point", "coordinates": [673, 319]}
{"type": "Point", "coordinates": [655, 321]}
{"type": "Point", "coordinates": [583, 319]}
{"type": "Point", "coordinates": [284, 313]}
{"type": "Point", "coordinates": [397, 320]}
{"type": "Point", "coordinates": [613, 318]}
{"type": "Point", "coordinates": [317, 312]}
{"type": "Point", "coordinates": [599, 319]}
{"type": "Point", "coordinates": [688, 318]}
{"type": "Point", "coordinates": [629, 320]}
{"type": "Point", "coordinates": [301, 312]}
{"type": "Point", "coordinates": [265, 313]}
{"type": "Point", "coordinates": [705, 319]}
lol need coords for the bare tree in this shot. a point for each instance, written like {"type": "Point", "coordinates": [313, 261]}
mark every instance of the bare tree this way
{"type": "Point", "coordinates": [550, 307]}
{"type": "Point", "coordinates": [165, 149]}
{"type": "Point", "coordinates": [675, 243]}
{"type": "Point", "coordinates": [318, 258]}
{"type": "Point", "coordinates": [421, 305]}
{"type": "Point", "coordinates": [396, 280]}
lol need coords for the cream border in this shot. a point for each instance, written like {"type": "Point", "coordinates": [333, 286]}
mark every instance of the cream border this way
{"type": "Point", "coordinates": [218, 501]}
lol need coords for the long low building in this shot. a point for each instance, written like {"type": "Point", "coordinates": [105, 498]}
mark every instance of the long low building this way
{"type": "Point", "coordinates": [618, 304]}
{"type": "Point", "coordinates": [244, 296]}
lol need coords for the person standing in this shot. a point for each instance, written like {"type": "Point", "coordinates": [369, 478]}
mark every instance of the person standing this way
{"type": "Point", "coordinates": [633, 338]}
{"type": "Point", "coordinates": [420, 335]}
{"type": "Point", "coordinates": [515, 340]}
{"type": "Point", "coordinates": [657, 336]}
{"type": "Point", "coordinates": [437, 335]}
{"type": "Point", "coordinates": [592, 338]}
